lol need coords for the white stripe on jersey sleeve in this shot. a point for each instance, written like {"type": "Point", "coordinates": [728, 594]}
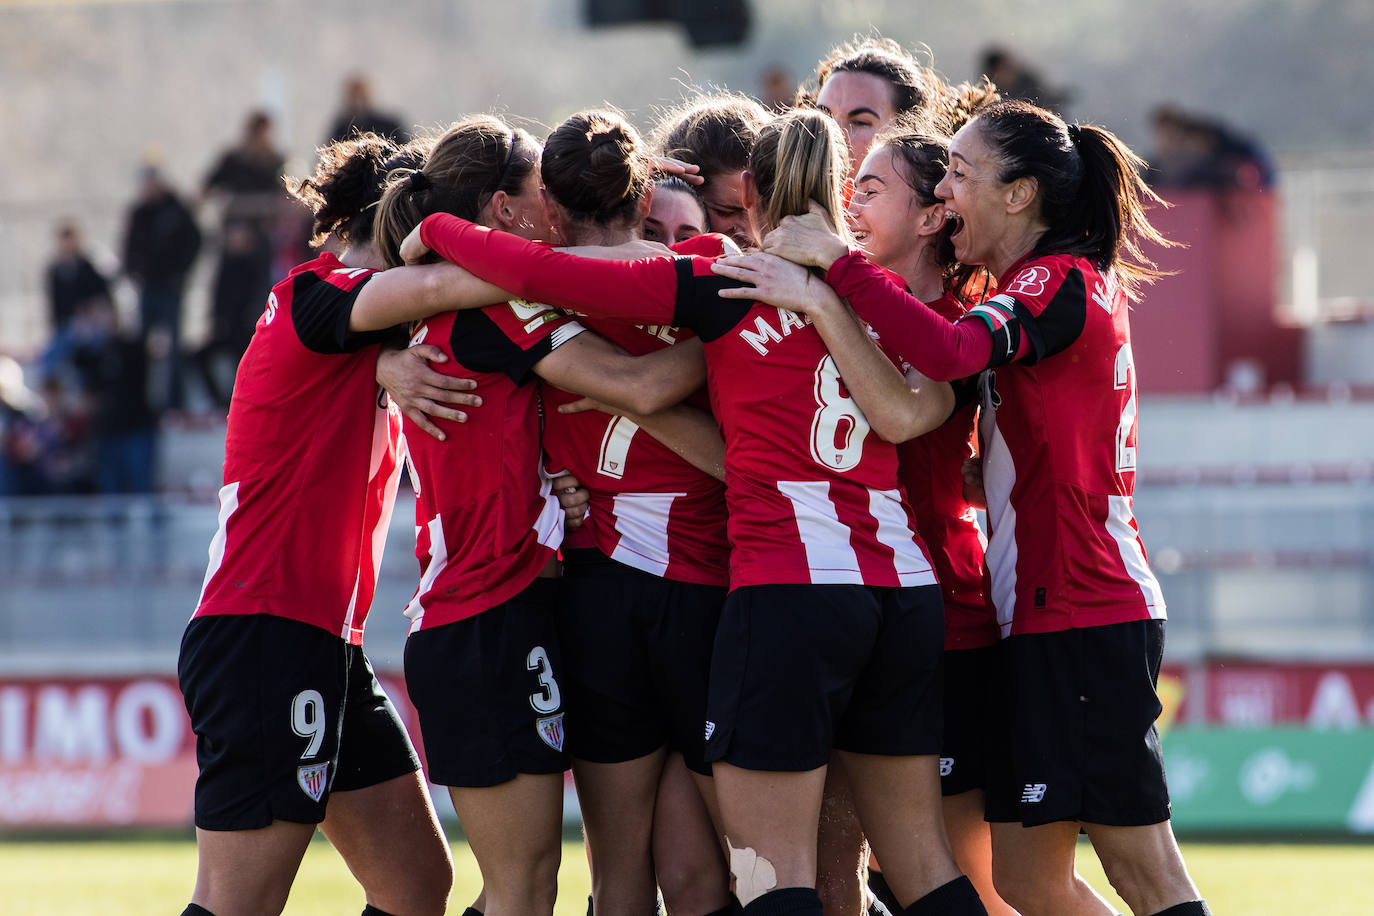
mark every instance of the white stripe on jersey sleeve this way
{"type": "Point", "coordinates": [642, 521]}
{"type": "Point", "coordinates": [999, 475]}
{"type": "Point", "coordinates": [228, 505]}
{"type": "Point", "coordinates": [894, 532]}
{"type": "Point", "coordinates": [1121, 527]}
{"type": "Point", "coordinates": [828, 554]}
{"type": "Point", "coordinates": [548, 526]}
{"type": "Point", "coordinates": [563, 334]}
{"type": "Point", "coordinates": [438, 559]}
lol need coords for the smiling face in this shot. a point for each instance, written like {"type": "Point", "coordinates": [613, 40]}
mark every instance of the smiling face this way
{"type": "Point", "coordinates": [884, 211]}
{"type": "Point", "coordinates": [726, 209]}
{"type": "Point", "coordinates": [861, 103]}
{"type": "Point", "coordinates": [674, 216]}
{"type": "Point", "coordinates": [975, 198]}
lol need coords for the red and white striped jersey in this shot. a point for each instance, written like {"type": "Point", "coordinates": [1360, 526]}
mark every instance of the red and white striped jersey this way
{"type": "Point", "coordinates": [1058, 433]}
{"type": "Point", "coordinates": [310, 466]}
{"type": "Point", "coordinates": [812, 494]}
{"type": "Point", "coordinates": [486, 518]}
{"type": "Point", "coordinates": [650, 509]}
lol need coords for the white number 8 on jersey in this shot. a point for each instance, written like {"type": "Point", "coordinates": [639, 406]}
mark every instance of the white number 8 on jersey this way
{"type": "Point", "coordinates": [839, 427]}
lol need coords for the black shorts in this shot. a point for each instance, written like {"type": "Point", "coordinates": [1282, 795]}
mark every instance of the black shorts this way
{"type": "Point", "coordinates": [487, 692]}
{"type": "Point", "coordinates": [1079, 741]}
{"type": "Point", "coordinates": [636, 659]}
{"type": "Point", "coordinates": [970, 693]}
{"type": "Point", "coordinates": [284, 713]}
{"type": "Point", "coordinates": [799, 670]}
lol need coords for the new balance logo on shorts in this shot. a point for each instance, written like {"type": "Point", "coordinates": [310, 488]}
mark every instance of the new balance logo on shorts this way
{"type": "Point", "coordinates": [946, 766]}
{"type": "Point", "coordinates": [312, 779]}
{"type": "Point", "coordinates": [710, 729]}
{"type": "Point", "coordinates": [1033, 792]}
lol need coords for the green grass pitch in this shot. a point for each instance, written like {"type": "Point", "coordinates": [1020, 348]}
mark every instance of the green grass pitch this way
{"type": "Point", "coordinates": [141, 876]}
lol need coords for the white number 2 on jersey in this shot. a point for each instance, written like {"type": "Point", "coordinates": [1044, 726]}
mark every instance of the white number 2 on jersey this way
{"type": "Point", "coordinates": [839, 427]}
{"type": "Point", "coordinates": [1125, 378]}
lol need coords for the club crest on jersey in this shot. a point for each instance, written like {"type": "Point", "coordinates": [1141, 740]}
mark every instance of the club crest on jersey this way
{"type": "Point", "coordinates": [313, 779]}
{"type": "Point", "coordinates": [1031, 281]}
{"type": "Point", "coordinates": [550, 729]}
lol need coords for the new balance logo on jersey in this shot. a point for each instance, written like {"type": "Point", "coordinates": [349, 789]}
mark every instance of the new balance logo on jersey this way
{"type": "Point", "coordinates": [1033, 792]}
{"type": "Point", "coordinates": [710, 729]}
{"type": "Point", "coordinates": [271, 307]}
{"type": "Point", "coordinates": [312, 779]}
{"type": "Point", "coordinates": [1031, 281]}
{"type": "Point", "coordinates": [946, 766]}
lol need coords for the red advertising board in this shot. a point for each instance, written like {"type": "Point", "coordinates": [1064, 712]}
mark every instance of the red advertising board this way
{"type": "Point", "coordinates": [103, 752]}
{"type": "Point", "coordinates": [1256, 694]}
{"type": "Point", "coordinates": [107, 752]}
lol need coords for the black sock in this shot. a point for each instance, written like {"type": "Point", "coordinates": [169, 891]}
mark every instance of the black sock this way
{"type": "Point", "coordinates": [195, 910]}
{"type": "Point", "coordinates": [878, 885]}
{"type": "Point", "coordinates": [953, 898]}
{"type": "Point", "coordinates": [1191, 908]}
{"type": "Point", "coordinates": [472, 911]}
{"type": "Point", "coordinates": [589, 905]}
{"type": "Point", "coordinates": [730, 909]}
{"type": "Point", "coordinates": [787, 901]}
{"type": "Point", "coordinates": [371, 910]}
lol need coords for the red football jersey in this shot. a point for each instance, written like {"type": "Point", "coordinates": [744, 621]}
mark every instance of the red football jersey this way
{"type": "Point", "coordinates": [486, 518]}
{"type": "Point", "coordinates": [1058, 434]}
{"type": "Point", "coordinates": [812, 494]}
{"type": "Point", "coordinates": [650, 509]}
{"type": "Point", "coordinates": [931, 468]}
{"type": "Point", "coordinates": [310, 465]}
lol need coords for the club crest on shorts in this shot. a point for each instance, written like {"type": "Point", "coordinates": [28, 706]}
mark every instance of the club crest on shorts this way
{"type": "Point", "coordinates": [550, 729]}
{"type": "Point", "coordinates": [312, 779]}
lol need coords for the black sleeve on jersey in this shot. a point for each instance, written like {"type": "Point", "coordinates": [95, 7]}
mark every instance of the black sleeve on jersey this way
{"type": "Point", "coordinates": [479, 344]}
{"type": "Point", "coordinates": [320, 312]}
{"type": "Point", "coordinates": [1062, 321]}
{"type": "Point", "coordinates": [965, 393]}
{"type": "Point", "coordinates": [700, 308]}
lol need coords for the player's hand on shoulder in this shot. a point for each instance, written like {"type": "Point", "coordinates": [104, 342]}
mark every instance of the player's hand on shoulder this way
{"type": "Point", "coordinates": [422, 393]}
{"type": "Point", "coordinates": [809, 239]}
{"type": "Point", "coordinates": [413, 251]}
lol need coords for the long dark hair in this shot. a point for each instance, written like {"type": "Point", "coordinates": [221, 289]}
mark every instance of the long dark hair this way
{"type": "Point", "coordinates": [1090, 192]}
{"type": "Point", "coordinates": [349, 177]}
{"type": "Point", "coordinates": [474, 159]}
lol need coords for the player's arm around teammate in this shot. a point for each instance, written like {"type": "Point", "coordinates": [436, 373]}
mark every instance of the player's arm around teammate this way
{"type": "Point", "coordinates": [321, 744]}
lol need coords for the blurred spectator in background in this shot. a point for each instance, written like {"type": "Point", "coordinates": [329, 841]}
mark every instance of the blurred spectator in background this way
{"type": "Point", "coordinates": [777, 89]}
{"type": "Point", "coordinates": [72, 281]}
{"type": "Point", "coordinates": [160, 245]}
{"type": "Point", "coordinates": [1192, 151]}
{"type": "Point", "coordinates": [247, 180]}
{"type": "Point", "coordinates": [113, 370]}
{"type": "Point", "coordinates": [357, 116]}
{"type": "Point", "coordinates": [1015, 79]}
{"type": "Point", "coordinates": [45, 448]}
